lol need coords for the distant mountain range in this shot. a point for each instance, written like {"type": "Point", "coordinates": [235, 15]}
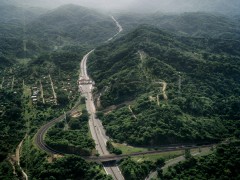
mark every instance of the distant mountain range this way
{"type": "Point", "coordinates": [195, 24]}
{"type": "Point", "coordinates": [48, 30]}
{"type": "Point", "coordinates": [72, 23]}
{"type": "Point", "coordinates": [220, 6]}
{"type": "Point", "coordinates": [176, 6]}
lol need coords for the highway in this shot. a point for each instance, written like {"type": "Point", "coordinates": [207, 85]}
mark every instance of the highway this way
{"type": "Point", "coordinates": [120, 29]}
{"type": "Point", "coordinates": [96, 128]}
{"type": "Point", "coordinates": [39, 137]}
{"type": "Point", "coordinates": [95, 125]}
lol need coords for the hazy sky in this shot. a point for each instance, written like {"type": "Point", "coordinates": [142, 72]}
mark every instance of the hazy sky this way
{"type": "Point", "coordinates": [143, 5]}
{"type": "Point", "coordinates": [103, 4]}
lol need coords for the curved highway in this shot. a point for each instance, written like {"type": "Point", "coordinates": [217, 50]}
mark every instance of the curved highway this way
{"type": "Point", "coordinates": [95, 125]}
{"type": "Point", "coordinates": [39, 137]}
{"type": "Point", "coordinates": [96, 128]}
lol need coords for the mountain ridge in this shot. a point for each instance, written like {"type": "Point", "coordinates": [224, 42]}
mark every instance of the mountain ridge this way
{"type": "Point", "coordinates": [201, 76]}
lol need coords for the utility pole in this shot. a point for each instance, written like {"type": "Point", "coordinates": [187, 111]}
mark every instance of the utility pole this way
{"type": "Point", "coordinates": [179, 84]}
{"type": "Point", "coordinates": [12, 83]}
{"type": "Point", "coordinates": [65, 116]}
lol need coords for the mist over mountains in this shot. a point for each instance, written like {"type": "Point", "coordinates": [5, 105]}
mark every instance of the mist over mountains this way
{"type": "Point", "coordinates": [160, 75]}
{"type": "Point", "coordinates": [220, 6]}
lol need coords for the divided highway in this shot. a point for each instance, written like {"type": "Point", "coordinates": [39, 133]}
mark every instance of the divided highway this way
{"type": "Point", "coordinates": [96, 128]}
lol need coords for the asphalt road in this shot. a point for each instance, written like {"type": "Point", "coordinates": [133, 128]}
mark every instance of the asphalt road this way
{"type": "Point", "coordinates": [39, 137]}
{"type": "Point", "coordinates": [96, 128]}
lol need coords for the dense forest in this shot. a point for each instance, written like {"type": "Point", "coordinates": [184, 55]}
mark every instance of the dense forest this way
{"type": "Point", "coordinates": [39, 69]}
{"type": "Point", "coordinates": [12, 127]}
{"type": "Point", "coordinates": [71, 136]}
{"type": "Point", "coordinates": [26, 32]}
{"type": "Point", "coordinates": [222, 164]}
{"type": "Point", "coordinates": [69, 166]}
{"type": "Point", "coordinates": [201, 98]}
{"type": "Point", "coordinates": [133, 170]}
{"type": "Point", "coordinates": [73, 167]}
{"type": "Point", "coordinates": [71, 24]}
{"type": "Point", "coordinates": [172, 81]}
{"type": "Point", "coordinates": [193, 24]}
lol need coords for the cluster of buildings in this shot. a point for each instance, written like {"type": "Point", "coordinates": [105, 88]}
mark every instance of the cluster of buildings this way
{"type": "Point", "coordinates": [34, 96]}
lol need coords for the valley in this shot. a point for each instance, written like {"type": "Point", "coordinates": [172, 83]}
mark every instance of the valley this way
{"type": "Point", "coordinates": [87, 93]}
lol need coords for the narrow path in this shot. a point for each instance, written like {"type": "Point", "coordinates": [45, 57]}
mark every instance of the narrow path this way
{"type": "Point", "coordinates": [164, 90]}
{"type": "Point", "coordinates": [18, 150]}
{"type": "Point", "coordinates": [164, 87]}
{"type": "Point", "coordinates": [130, 109]}
{"type": "Point", "coordinates": [54, 93]}
{"type": "Point", "coordinates": [42, 93]}
{"type": "Point", "coordinates": [2, 82]}
{"type": "Point", "coordinates": [158, 102]}
{"type": "Point", "coordinates": [164, 84]}
{"type": "Point", "coordinates": [143, 56]}
{"type": "Point", "coordinates": [11, 161]}
{"type": "Point", "coordinates": [12, 83]}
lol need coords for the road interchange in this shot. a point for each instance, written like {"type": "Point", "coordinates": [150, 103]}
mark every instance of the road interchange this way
{"type": "Point", "coordinates": [95, 125]}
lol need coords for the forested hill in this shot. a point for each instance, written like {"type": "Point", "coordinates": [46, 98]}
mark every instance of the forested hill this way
{"type": "Point", "coordinates": [15, 15]}
{"type": "Point", "coordinates": [72, 23]}
{"type": "Point", "coordinates": [68, 25]}
{"type": "Point", "coordinates": [194, 24]}
{"type": "Point", "coordinates": [202, 92]}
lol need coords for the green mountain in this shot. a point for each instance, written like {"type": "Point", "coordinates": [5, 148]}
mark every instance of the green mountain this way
{"type": "Point", "coordinates": [5, 62]}
{"type": "Point", "coordinates": [72, 24]}
{"type": "Point", "coordinates": [226, 156]}
{"type": "Point", "coordinates": [216, 6]}
{"type": "Point", "coordinates": [12, 20]}
{"type": "Point", "coordinates": [15, 15]}
{"type": "Point", "coordinates": [201, 98]}
{"type": "Point", "coordinates": [64, 26]}
{"type": "Point", "coordinates": [194, 24]}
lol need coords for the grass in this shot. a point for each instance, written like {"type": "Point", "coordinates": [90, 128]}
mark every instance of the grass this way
{"type": "Point", "coordinates": [153, 157]}
{"type": "Point", "coordinates": [24, 61]}
{"type": "Point", "coordinates": [129, 149]}
{"type": "Point", "coordinates": [202, 152]}
{"type": "Point", "coordinates": [173, 154]}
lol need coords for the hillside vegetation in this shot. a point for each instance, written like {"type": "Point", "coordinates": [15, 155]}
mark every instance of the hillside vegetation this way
{"type": "Point", "coordinates": [24, 33]}
{"type": "Point", "coordinates": [222, 164]}
{"type": "Point", "coordinates": [194, 24]}
{"type": "Point", "coordinates": [201, 98]}
{"type": "Point", "coordinates": [72, 24]}
{"type": "Point", "coordinates": [40, 54]}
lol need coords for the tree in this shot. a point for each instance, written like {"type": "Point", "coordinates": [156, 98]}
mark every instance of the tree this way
{"type": "Point", "coordinates": [187, 154]}
{"type": "Point", "coordinates": [160, 162]}
{"type": "Point", "coordinates": [74, 124]}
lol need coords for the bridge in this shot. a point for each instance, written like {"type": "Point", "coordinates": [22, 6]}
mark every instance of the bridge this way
{"type": "Point", "coordinates": [109, 158]}
{"type": "Point", "coordinates": [85, 81]}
